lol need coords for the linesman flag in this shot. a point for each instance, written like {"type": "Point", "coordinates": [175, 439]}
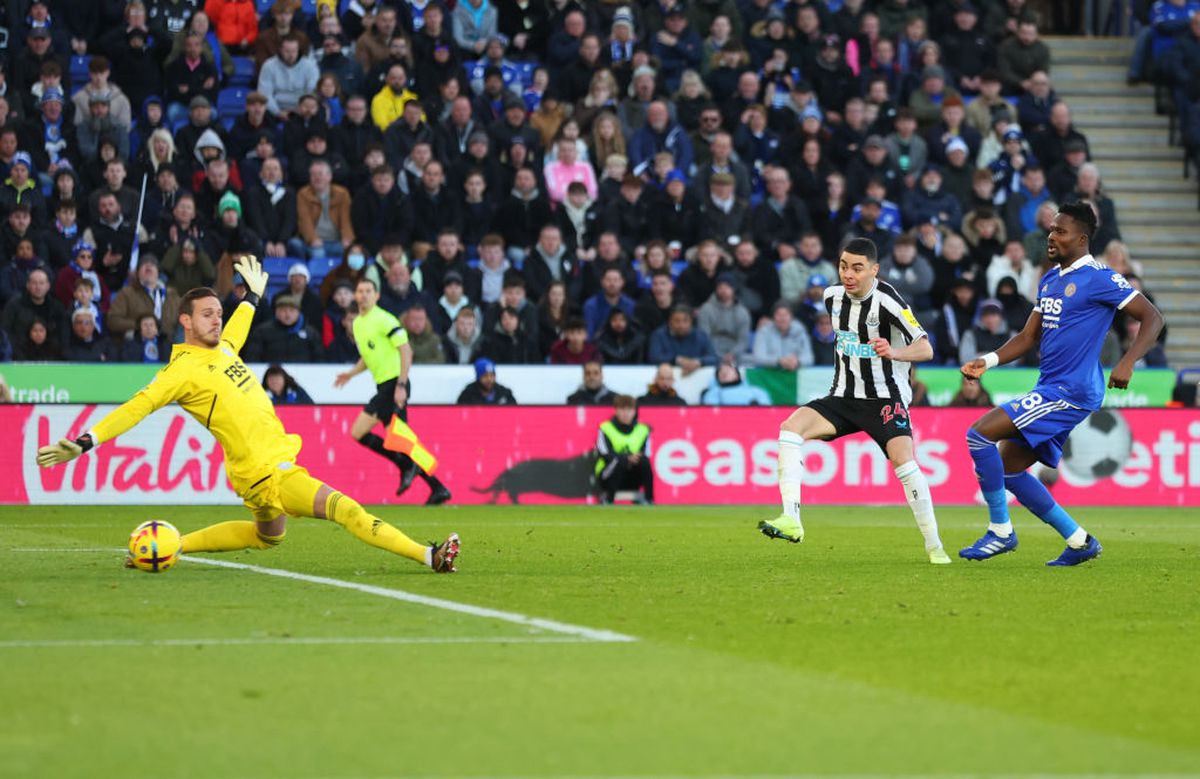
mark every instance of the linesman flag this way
{"type": "Point", "coordinates": [402, 438]}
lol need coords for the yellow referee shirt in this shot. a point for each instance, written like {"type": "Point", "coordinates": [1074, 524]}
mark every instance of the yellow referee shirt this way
{"type": "Point", "coordinates": [379, 336]}
{"type": "Point", "coordinates": [217, 389]}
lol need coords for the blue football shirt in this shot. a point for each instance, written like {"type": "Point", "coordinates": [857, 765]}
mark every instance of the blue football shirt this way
{"type": "Point", "coordinates": [1077, 306]}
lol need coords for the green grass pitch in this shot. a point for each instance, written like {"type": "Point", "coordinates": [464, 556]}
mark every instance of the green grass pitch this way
{"type": "Point", "coordinates": [847, 654]}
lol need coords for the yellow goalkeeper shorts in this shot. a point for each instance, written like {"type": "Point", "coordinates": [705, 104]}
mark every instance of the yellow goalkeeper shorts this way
{"type": "Point", "coordinates": [287, 490]}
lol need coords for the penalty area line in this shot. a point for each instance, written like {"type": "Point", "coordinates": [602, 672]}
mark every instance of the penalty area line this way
{"type": "Point", "coordinates": [286, 641]}
{"type": "Point", "coordinates": [553, 626]}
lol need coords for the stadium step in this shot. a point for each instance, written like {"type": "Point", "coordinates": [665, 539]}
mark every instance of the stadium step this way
{"type": "Point", "coordinates": [1190, 321]}
{"type": "Point", "coordinates": [1127, 136]}
{"type": "Point", "coordinates": [1113, 104]}
{"type": "Point", "coordinates": [1088, 120]}
{"type": "Point", "coordinates": [1132, 165]}
{"type": "Point", "coordinates": [1184, 358]}
{"type": "Point", "coordinates": [1085, 87]}
{"type": "Point", "coordinates": [1186, 218]}
{"type": "Point", "coordinates": [1177, 185]}
{"type": "Point", "coordinates": [1110, 69]}
{"type": "Point", "coordinates": [1139, 152]}
{"type": "Point", "coordinates": [1166, 201]}
{"type": "Point", "coordinates": [1090, 44]}
{"type": "Point", "coordinates": [1154, 242]}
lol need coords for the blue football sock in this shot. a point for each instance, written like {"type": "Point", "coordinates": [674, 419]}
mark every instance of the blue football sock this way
{"type": "Point", "coordinates": [989, 467]}
{"type": "Point", "coordinates": [1034, 496]}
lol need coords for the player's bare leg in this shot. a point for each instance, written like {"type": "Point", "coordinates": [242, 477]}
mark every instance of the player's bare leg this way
{"type": "Point", "coordinates": [803, 423]}
{"type": "Point", "coordinates": [916, 492]}
{"type": "Point", "coordinates": [328, 503]}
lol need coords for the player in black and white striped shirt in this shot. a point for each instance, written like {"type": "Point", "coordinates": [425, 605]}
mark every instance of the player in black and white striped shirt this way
{"type": "Point", "coordinates": [877, 339]}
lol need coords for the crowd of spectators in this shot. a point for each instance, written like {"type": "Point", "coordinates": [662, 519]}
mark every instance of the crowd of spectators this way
{"type": "Point", "coordinates": [1167, 52]}
{"type": "Point", "coordinates": [530, 181]}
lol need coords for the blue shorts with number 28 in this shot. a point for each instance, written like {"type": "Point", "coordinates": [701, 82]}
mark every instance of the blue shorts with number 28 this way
{"type": "Point", "coordinates": [1045, 420]}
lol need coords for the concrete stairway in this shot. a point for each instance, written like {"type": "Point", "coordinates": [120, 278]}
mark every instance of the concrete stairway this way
{"type": "Point", "coordinates": [1142, 173]}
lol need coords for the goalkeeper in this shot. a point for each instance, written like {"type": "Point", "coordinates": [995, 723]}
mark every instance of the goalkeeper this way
{"type": "Point", "coordinates": [206, 377]}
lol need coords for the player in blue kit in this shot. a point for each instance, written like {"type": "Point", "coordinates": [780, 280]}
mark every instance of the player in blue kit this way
{"type": "Point", "coordinates": [1076, 305]}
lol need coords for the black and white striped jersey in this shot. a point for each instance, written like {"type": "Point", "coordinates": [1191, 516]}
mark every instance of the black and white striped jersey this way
{"type": "Point", "coordinates": [858, 372]}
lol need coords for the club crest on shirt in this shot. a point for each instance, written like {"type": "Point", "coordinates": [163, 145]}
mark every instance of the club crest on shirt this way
{"type": "Point", "coordinates": [1070, 290]}
{"type": "Point", "coordinates": [872, 321]}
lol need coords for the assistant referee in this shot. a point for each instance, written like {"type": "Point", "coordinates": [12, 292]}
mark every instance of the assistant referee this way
{"type": "Point", "coordinates": [384, 350]}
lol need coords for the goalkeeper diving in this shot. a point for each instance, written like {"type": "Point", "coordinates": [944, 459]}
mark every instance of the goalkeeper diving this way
{"type": "Point", "coordinates": [207, 378]}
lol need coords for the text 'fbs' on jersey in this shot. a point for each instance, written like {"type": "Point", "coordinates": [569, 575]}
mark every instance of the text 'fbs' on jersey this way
{"type": "Point", "coordinates": [1077, 306]}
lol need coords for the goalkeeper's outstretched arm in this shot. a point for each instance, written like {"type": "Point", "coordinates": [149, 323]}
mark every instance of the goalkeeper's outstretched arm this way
{"type": "Point", "coordinates": [149, 399]}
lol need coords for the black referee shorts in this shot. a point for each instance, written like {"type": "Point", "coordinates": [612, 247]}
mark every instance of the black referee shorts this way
{"type": "Point", "coordinates": [882, 420]}
{"type": "Point", "coordinates": [383, 405]}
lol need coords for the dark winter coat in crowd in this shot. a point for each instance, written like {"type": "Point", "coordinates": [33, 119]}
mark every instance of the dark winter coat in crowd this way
{"type": "Point", "coordinates": [271, 216]}
{"type": "Point", "coordinates": [519, 219]}
{"type": "Point", "coordinates": [377, 217]}
{"type": "Point", "coordinates": [272, 342]}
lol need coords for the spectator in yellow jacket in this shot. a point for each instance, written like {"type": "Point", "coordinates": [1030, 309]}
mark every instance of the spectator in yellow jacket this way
{"type": "Point", "coordinates": [388, 104]}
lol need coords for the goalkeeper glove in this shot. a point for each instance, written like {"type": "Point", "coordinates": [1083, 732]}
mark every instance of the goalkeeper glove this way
{"type": "Point", "coordinates": [254, 276]}
{"type": "Point", "coordinates": [64, 451]}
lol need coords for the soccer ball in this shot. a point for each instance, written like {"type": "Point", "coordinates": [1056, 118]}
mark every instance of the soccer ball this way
{"type": "Point", "coordinates": [154, 546]}
{"type": "Point", "coordinates": [1099, 446]}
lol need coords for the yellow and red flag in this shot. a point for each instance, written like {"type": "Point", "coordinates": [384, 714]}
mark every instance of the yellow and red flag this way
{"type": "Point", "coordinates": [402, 438]}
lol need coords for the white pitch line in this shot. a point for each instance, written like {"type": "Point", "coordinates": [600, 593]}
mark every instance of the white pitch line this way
{"type": "Point", "coordinates": [554, 626]}
{"type": "Point", "coordinates": [36, 550]}
{"type": "Point", "coordinates": [283, 641]}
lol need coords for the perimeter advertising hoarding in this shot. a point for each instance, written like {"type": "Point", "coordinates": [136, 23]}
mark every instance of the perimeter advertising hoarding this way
{"type": "Point", "coordinates": [542, 455]}
{"type": "Point", "coordinates": [539, 384]}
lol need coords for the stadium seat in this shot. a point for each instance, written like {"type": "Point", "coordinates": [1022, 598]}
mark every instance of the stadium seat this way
{"type": "Point", "coordinates": [264, 7]}
{"type": "Point", "coordinates": [526, 70]}
{"type": "Point", "coordinates": [243, 72]}
{"type": "Point", "coordinates": [79, 69]}
{"type": "Point", "coordinates": [321, 268]}
{"type": "Point", "coordinates": [277, 267]}
{"type": "Point", "coordinates": [677, 267]}
{"type": "Point", "coordinates": [231, 102]}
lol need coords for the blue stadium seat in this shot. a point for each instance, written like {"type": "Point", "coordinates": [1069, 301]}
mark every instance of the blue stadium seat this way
{"type": "Point", "coordinates": [678, 267]}
{"type": "Point", "coordinates": [78, 69]}
{"type": "Point", "coordinates": [321, 268]}
{"type": "Point", "coordinates": [526, 70]}
{"type": "Point", "coordinates": [274, 288]}
{"type": "Point", "coordinates": [231, 102]}
{"type": "Point", "coordinates": [308, 8]}
{"type": "Point", "coordinates": [277, 267]}
{"type": "Point", "coordinates": [243, 72]}
{"type": "Point", "coordinates": [264, 7]}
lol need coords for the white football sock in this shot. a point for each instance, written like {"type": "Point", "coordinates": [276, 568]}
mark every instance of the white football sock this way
{"type": "Point", "coordinates": [1078, 539]}
{"type": "Point", "coordinates": [1003, 531]}
{"type": "Point", "coordinates": [916, 492]}
{"type": "Point", "coordinates": [791, 471]}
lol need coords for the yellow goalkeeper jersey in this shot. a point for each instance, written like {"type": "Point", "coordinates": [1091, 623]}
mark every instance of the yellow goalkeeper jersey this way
{"type": "Point", "coordinates": [221, 393]}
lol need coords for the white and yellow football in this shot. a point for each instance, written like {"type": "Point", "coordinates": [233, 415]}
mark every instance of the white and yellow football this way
{"type": "Point", "coordinates": [154, 546]}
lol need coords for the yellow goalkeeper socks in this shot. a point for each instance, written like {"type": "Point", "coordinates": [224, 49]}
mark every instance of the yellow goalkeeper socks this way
{"type": "Point", "coordinates": [349, 514]}
{"type": "Point", "coordinates": [228, 537]}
